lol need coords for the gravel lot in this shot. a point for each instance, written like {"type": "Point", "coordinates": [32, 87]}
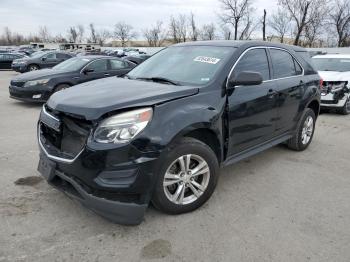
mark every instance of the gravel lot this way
{"type": "Point", "coordinates": [277, 206]}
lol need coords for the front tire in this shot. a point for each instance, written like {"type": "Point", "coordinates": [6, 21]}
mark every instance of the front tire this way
{"type": "Point", "coordinates": [305, 132]}
{"type": "Point", "coordinates": [187, 177]}
{"type": "Point", "coordinates": [61, 87]}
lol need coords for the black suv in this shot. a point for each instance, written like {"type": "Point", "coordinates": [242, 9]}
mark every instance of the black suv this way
{"type": "Point", "coordinates": [161, 133]}
{"type": "Point", "coordinates": [39, 60]}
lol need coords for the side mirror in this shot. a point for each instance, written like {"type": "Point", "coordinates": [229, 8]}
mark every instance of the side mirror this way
{"type": "Point", "coordinates": [245, 78]}
{"type": "Point", "coordinates": [88, 70]}
{"type": "Point", "coordinates": [43, 58]}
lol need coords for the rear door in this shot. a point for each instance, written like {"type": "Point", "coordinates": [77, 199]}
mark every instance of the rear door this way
{"type": "Point", "coordinates": [99, 69]}
{"type": "Point", "coordinates": [118, 67]}
{"type": "Point", "coordinates": [50, 60]}
{"type": "Point", "coordinates": [252, 108]}
{"type": "Point", "coordinates": [288, 77]}
{"type": "Point", "coordinates": [62, 57]}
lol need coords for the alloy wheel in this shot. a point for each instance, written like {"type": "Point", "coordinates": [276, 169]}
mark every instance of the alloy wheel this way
{"type": "Point", "coordinates": [307, 131]}
{"type": "Point", "coordinates": [186, 179]}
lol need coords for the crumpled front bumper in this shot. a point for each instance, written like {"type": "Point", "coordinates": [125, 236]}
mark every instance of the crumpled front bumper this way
{"type": "Point", "coordinates": [115, 211]}
{"type": "Point", "coordinates": [328, 101]}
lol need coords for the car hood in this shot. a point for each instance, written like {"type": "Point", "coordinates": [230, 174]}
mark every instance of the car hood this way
{"type": "Point", "coordinates": [334, 76]}
{"type": "Point", "coordinates": [38, 74]}
{"type": "Point", "coordinates": [93, 99]}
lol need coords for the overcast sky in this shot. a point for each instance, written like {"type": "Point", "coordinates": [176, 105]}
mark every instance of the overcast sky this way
{"type": "Point", "coordinates": [25, 16]}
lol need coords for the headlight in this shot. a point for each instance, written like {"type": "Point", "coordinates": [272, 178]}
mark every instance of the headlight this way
{"type": "Point", "coordinates": [36, 82]}
{"type": "Point", "coordinates": [123, 127]}
{"type": "Point", "coordinates": [18, 62]}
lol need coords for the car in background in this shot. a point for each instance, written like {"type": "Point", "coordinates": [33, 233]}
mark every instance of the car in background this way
{"type": "Point", "coordinates": [334, 69]}
{"type": "Point", "coordinates": [38, 86]}
{"type": "Point", "coordinates": [7, 58]}
{"type": "Point", "coordinates": [138, 58]}
{"type": "Point", "coordinates": [40, 60]}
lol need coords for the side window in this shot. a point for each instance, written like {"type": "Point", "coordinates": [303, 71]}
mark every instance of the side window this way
{"type": "Point", "coordinates": [51, 56]}
{"type": "Point", "coordinates": [62, 56]}
{"type": "Point", "coordinates": [98, 65]}
{"type": "Point", "coordinates": [117, 64]}
{"type": "Point", "coordinates": [254, 60]}
{"type": "Point", "coordinates": [282, 63]}
{"type": "Point", "coordinates": [298, 68]}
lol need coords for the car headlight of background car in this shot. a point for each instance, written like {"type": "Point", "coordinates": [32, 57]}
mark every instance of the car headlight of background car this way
{"type": "Point", "coordinates": [18, 62]}
{"type": "Point", "coordinates": [36, 82]}
{"type": "Point", "coordinates": [123, 127]}
{"type": "Point", "coordinates": [336, 86]}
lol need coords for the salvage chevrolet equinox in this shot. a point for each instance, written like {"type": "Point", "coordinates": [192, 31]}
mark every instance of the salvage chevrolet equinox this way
{"type": "Point", "coordinates": [161, 133]}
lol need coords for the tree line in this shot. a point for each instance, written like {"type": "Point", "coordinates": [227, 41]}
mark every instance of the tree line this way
{"type": "Point", "coordinates": [309, 23]}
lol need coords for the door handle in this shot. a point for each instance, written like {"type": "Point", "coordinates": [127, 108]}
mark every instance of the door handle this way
{"type": "Point", "coordinates": [272, 93]}
{"type": "Point", "coordinates": [106, 74]}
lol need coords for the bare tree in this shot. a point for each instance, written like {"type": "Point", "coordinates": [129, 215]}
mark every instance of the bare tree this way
{"type": "Point", "coordinates": [44, 34]}
{"type": "Point", "coordinates": [208, 32]}
{"type": "Point", "coordinates": [72, 34]}
{"type": "Point", "coordinates": [175, 30]}
{"type": "Point", "coordinates": [340, 19]}
{"type": "Point", "coordinates": [80, 33]}
{"type": "Point", "coordinates": [182, 25]}
{"type": "Point", "coordinates": [264, 25]}
{"type": "Point", "coordinates": [280, 23]}
{"type": "Point", "coordinates": [233, 13]}
{"type": "Point", "coordinates": [249, 27]}
{"type": "Point", "coordinates": [124, 32]}
{"type": "Point", "coordinates": [226, 32]}
{"type": "Point", "coordinates": [8, 35]}
{"type": "Point", "coordinates": [302, 12]}
{"type": "Point", "coordinates": [92, 37]}
{"type": "Point", "coordinates": [155, 35]}
{"type": "Point", "coordinates": [194, 30]}
{"type": "Point", "coordinates": [102, 35]}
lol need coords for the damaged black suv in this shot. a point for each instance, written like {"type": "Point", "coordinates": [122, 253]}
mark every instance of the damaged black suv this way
{"type": "Point", "coordinates": [161, 133]}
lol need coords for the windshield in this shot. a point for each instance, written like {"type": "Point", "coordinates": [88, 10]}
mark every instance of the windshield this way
{"type": "Point", "coordinates": [72, 64]}
{"type": "Point", "coordinates": [192, 65]}
{"type": "Point", "coordinates": [332, 64]}
{"type": "Point", "coordinates": [37, 54]}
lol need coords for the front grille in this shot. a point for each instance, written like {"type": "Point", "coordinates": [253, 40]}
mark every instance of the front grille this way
{"type": "Point", "coordinates": [17, 83]}
{"type": "Point", "coordinates": [69, 140]}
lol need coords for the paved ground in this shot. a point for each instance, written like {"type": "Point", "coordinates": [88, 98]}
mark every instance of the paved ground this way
{"type": "Point", "coordinates": [277, 206]}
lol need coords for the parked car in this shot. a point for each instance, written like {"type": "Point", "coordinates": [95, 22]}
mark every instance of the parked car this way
{"type": "Point", "coordinates": [335, 72]}
{"type": "Point", "coordinates": [137, 59]}
{"type": "Point", "coordinates": [161, 133]}
{"type": "Point", "coordinates": [40, 60]}
{"type": "Point", "coordinates": [7, 58]}
{"type": "Point", "coordinates": [38, 86]}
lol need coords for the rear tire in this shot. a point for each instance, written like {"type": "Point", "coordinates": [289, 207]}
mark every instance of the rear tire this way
{"type": "Point", "coordinates": [305, 132]}
{"type": "Point", "coordinates": [33, 67]}
{"type": "Point", "coordinates": [186, 178]}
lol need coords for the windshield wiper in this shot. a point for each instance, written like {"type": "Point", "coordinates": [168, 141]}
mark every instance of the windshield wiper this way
{"type": "Point", "coordinates": [159, 79]}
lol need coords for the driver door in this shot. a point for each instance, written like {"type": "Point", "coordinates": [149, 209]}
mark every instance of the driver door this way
{"type": "Point", "coordinates": [252, 108]}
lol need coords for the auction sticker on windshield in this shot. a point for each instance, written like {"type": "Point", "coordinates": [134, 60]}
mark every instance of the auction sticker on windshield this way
{"type": "Point", "coordinates": [206, 59]}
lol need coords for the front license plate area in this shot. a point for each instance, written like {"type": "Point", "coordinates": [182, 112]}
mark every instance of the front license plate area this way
{"type": "Point", "coordinates": [46, 168]}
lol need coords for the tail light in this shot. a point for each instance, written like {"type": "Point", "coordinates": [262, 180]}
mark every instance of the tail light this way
{"type": "Point", "coordinates": [321, 83]}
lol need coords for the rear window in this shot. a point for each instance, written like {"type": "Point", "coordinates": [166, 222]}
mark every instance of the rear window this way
{"type": "Point", "coordinates": [332, 64]}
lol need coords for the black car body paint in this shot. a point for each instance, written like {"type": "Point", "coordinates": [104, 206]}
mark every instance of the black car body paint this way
{"type": "Point", "coordinates": [235, 122]}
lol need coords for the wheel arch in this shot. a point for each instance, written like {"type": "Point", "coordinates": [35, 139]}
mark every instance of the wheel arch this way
{"type": "Point", "coordinates": [315, 106]}
{"type": "Point", "coordinates": [205, 135]}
